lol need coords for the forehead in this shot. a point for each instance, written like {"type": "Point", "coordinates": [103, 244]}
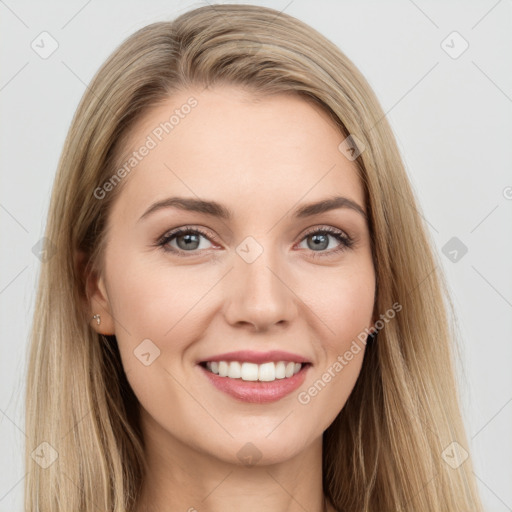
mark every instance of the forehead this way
{"type": "Point", "coordinates": [243, 151]}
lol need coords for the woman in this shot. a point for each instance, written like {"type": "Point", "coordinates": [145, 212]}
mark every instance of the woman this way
{"type": "Point", "coordinates": [243, 310]}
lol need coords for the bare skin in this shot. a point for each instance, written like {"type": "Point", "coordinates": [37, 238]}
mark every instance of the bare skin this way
{"type": "Point", "coordinates": [261, 158]}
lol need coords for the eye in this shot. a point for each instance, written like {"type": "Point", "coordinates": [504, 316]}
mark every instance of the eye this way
{"type": "Point", "coordinates": [320, 241]}
{"type": "Point", "coordinates": [187, 239]}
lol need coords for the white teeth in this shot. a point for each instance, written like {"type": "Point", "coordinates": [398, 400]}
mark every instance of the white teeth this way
{"type": "Point", "coordinates": [249, 371]}
{"type": "Point", "coordinates": [223, 369]}
{"type": "Point", "coordinates": [266, 372]}
{"type": "Point", "coordinates": [290, 367]}
{"type": "Point", "coordinates": [280, 370]}
{"type": "Point", "coordinates": [235, 370]}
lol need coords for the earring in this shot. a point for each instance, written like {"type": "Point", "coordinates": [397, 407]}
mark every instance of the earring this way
{"type": "Point", "coordinates": [97, 318]}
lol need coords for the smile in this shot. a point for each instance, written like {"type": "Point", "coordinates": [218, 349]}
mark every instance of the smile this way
{"type": "Point", "coordinates": [255, 383]}
{"type": "Point", "coordinates": [266, 372]}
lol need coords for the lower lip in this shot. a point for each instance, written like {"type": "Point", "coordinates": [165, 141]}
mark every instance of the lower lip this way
{"type": "Point", "coordinates": [257, 391]}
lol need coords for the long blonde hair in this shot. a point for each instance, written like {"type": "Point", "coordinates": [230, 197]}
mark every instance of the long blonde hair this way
{"type": "Point", "coordinates": [386, 450]}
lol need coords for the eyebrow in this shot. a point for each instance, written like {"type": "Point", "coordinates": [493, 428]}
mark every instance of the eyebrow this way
{"type": "Point", "coordinates": [218, 210]}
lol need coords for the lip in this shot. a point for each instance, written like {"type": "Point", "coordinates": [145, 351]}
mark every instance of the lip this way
{"type": "Point", "coordinates": [257, 391]}
{"type": "Point", "coordinates": [250, 356]}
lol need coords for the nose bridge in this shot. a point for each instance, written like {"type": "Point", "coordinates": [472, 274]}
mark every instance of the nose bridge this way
{"type": "Point", "coordinates": [258, 293]}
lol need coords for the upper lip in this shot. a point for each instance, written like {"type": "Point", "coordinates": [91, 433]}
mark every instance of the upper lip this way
{"type": "Point", "coordinates": [257, 357]}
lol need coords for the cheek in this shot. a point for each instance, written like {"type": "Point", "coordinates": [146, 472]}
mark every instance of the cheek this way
{"type": "Point", "coordinates": [169, 305]}
{"type": "Point", "coordinates": [350, 311]}
{"type": "Point", "coordinates": [153, 306]}
{"type": "Point", "coordinates": [150, 298]}
{"type": "Point", "coordinates": [346, 310]}
{"type": "Point", "coordinates": [343, 300]}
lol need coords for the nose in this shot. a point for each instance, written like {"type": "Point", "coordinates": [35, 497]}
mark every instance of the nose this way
{"type": "Point", "coordinates": [257, 294]}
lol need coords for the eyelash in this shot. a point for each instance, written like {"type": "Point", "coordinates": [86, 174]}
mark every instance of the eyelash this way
{"type": "Point", "coordinates": [346, 241]}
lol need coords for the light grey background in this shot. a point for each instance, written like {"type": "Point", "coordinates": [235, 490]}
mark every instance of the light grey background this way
{"type": "Point", "coordinates": [452, 119]}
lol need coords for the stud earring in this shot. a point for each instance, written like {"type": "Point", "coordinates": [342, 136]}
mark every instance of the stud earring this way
{"type": "Point", "coordinates": [97, 318]}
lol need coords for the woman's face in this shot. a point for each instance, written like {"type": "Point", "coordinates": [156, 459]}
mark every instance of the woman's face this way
{"type": "Point", "coordinates": [257, 281]}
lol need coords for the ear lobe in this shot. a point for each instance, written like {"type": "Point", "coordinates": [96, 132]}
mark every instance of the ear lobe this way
{"type": "Point", "coordinates": [100, 305]}
{"type": "Point", "coordinates": [96, 298]}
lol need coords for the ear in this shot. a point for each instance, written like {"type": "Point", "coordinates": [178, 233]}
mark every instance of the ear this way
{"type": "Point", "coordinates": [97, 300]}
